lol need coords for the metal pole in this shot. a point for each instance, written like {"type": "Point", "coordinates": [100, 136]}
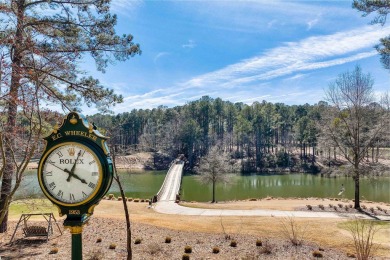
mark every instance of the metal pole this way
{"type": "Point", "coordinates": [77, 246]}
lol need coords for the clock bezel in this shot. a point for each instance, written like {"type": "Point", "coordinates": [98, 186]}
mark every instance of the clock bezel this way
{"type": "Point", "coordinates": [44, 188]}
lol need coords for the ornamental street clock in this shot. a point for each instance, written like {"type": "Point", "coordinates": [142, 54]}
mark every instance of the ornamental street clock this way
{"type": "Point", "coordinates": [75, 171]}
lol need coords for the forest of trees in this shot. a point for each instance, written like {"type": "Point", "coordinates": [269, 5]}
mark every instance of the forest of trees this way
{"type": "Point", "coordinates": [263, 135]}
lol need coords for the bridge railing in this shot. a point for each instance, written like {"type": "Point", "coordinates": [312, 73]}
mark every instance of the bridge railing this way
{"type": "Point", "coordinates": [164, 185]}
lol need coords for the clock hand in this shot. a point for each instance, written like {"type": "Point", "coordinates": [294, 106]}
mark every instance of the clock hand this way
{"type": "Point", "coordinates": [74, 175]}
{"type": "Point", "coordinates": [77, 177]}
{"type": "Point", "coordinates": [74, 165]}
{"type": "Point", "coordinates": [65, 170]}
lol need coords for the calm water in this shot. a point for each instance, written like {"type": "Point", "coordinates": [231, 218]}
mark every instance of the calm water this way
{"type": "Point", "coordinates": [147, 184]}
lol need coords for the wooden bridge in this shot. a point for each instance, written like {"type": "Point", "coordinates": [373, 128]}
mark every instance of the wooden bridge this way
{"type": "Point", "coordinates": [171, 186]}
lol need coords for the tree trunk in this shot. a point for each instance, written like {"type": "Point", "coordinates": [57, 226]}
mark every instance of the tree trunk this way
{"type": "Point", "coordinates": [357, 191]}
{"type": "Point", "coordinates": [357, 187]}
{"type": "Point", "coordinates": [377, 153]}
{"type": "Point", "coordinates": [128, 227]}
{"type": "Point", "coordinates": [9, 167]}
{"type": "Point", "coordinates": [314, 157]}
{"type": "Point", "coordinates": [127, 215]}
{"type": "Point", "coordinates": [213, 201]}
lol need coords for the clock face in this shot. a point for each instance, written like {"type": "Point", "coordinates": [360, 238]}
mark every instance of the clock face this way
{"type": "Point", "coordinates": [71, 173]}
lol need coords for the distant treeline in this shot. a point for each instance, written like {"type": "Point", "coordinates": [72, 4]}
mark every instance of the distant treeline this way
{"type": "Point", "coordinates": [263, 135]}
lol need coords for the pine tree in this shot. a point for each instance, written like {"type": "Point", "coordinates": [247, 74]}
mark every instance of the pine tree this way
{"type": "Point", "coordinates": [43, 41]}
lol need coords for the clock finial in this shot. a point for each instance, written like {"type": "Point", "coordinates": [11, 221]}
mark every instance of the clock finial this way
{"type": "Point", "coordinates": [55, 128]}
{"type": "Point", "coordinates": [73, 120]}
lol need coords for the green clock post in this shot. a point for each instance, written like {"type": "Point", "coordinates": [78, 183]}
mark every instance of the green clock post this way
{"type": "Point", "coordinates": [74, 173]}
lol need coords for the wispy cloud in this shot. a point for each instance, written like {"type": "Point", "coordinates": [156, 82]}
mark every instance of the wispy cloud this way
{"type": "Point", "coordinates": [312, 23]}
{"type": "Point", "coordinates": [125, 6]}
{"type": "Point", "coordinates": [189, 45]}
{"type": "Point", "coordinates": [308, 54]}
{"type": "Point", "coordinates": [160, 55]}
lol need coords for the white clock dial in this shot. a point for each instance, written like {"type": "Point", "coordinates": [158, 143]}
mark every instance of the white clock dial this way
{"type": "Point", "coordinates": [71, 173]}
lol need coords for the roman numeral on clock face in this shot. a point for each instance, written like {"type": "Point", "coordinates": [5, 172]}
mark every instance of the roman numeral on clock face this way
{"type": "Point", "coordinates": [71, 196]}
{"type": "Point", "coordinates": [52, 185]}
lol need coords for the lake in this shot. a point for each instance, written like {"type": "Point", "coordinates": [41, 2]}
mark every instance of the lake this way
{"type": "Point", "coordinates": [146, 184]}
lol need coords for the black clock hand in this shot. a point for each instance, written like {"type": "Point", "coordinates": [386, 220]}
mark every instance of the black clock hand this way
{"type": "Point", "coordinates": [65, 170]}
{"type": "Point", "coordinates": [75, 176]}
{"type": "Point", "coordinates": [75, 162]}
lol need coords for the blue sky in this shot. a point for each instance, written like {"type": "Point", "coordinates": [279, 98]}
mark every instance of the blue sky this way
{"type": "Point", "coordinates": [241, 51]}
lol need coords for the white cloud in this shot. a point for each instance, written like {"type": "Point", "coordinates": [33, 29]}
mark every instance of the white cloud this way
{"type": "Point", "coordinates": [189, 45]}
{"type": "Point", "coordinates": [308, 54]}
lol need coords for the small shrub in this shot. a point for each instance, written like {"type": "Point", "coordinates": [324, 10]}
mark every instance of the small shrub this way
{"type": "Point", "coordinates": [112, 246]}
{"type": "Point", "coordinates": [119, 198]}
{"type": "Point", "coordinates": [137, 241]}
{"type": "Point", "coordinates": [351, 255]}
{"type": "Point", "coordinates": [168, 240]}
{"type": "Point", "coordinates": [216, 250]}
{"type": "Point", "coordinates": [252, 199]}
{"type": "Point", "coordinates": [259, 242]}
{"type": "Point", "coordinates": [136, 200]}
{"type": "Point", "coordinates": [379, 208]}
{"type": "Point", "coordinates": [321, 249]}
{"type": "Point", "coordinates": [185, 257]}
{"type": "Point", "coordinates": [293, 231]}
{"type": "Point", "coordinates": [363, 232]}
{"type": "Point", "coordinates": [266, 249]}
{"type": "Point", "coordinates": [142, 200]}
{"type": "Point", "coordinates": [340, 205]}
{"type": "Point", "coordinates": [154, 248]}
{"type": "Point", "coordinates": [346, 208]}
{"type": "Point", "coordinates": [372, 210]}
{"type": "Point", "coordinates": [385, 211]}
{"type": "Point", "coordinates": [330, 205]}
{"type": "Point", "coordinates": [317, 254]}
{"type": "Point", "coordinates": [111, 196]}
{"type": "Point", "coordinates": [188, 249]}
{"type": "Point", "coordinates": [53, 251]}
{"type": "Point", "coordinates": [99, 240]}
{"type": "Point", "coordinates": [95, 255]}
{"type": "Point", "coordinates": [364, 207]}
{"type": "Point", "coordinates": [335, 208]}
{"type": "Point", "coordinates": [321, 207]}
{"type": "Point", "coordinates": [227, 237]}
{"type": "Point", "coordinates": [309, 207]}
{"type": "Point", "coordinates": [350, 206]}
{"type": "Point", "coordinates": [233, 243]}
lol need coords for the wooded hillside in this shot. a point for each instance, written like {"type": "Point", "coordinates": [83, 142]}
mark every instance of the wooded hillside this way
{"type": "Point", "coordinates": [260, 136]}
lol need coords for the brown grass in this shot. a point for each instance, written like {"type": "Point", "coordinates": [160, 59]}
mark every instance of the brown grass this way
{"type": "Point", "coordinates": [324, 232]}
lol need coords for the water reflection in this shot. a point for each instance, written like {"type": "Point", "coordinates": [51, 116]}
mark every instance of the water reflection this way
{"type": "Point", "coordinates": [147, 184]}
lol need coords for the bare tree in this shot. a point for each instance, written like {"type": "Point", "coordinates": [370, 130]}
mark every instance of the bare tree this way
{"type": "Point", "coordinates": [214, 167]}
{"type": "Point", "coordinates": [351, 123]}
{"type": "Point", "coordinates": [126, 209]}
